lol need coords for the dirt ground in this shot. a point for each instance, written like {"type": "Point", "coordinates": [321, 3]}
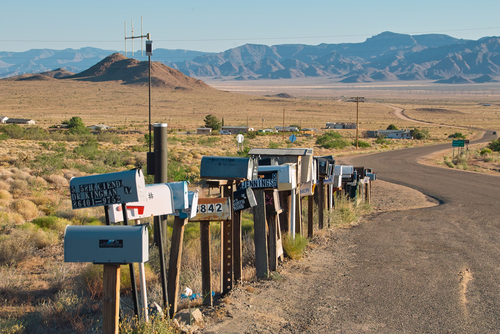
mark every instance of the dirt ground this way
{"type": "Point", "coordinates": [272, 305]}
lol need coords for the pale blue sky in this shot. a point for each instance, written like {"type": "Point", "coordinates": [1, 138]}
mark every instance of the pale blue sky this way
{"type": "Point", "coordinates": [218, 25]}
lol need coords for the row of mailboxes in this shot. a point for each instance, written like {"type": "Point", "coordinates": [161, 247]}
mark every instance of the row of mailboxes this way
{"type": "Point", "coordinates": [106, 244]}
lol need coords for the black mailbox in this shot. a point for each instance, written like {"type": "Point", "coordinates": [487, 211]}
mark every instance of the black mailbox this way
{"type": "Point", "coordinates": [228, 168]}
{"type": "Point", "coordinates": [326, 166]}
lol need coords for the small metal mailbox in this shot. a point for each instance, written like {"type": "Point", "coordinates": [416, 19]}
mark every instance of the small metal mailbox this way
{"type": "Point", "coordinates": [326, 166]}
{"type": "Point", "coordinates": [228, 168]}
{"type": "Point", "coordinates": [106, 244]}
{"type": "Point", "coordinates": [106, 189]}
{"type": "Point", "coordinates": [287, 175]}
{"type": "Point", "coordinates": [159, 201]}
{"type": "Point", "coordinates": [244, 199]}
{"type": "Point", "coordinates": [372, 176]}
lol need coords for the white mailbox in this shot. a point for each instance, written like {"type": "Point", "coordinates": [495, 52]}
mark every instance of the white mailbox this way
{"type": "Point", "coordinates": [106, 244]}
{"type": "Point", "coordinates": [106, 189]}
{"type": "Point", "coordinates": [287, 175]}
{"type": "Point", "coordinates": [159, 201]}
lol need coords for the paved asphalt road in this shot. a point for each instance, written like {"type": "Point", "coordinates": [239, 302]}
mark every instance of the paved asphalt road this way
{"type": "Point", "coordinates": [431, 270]}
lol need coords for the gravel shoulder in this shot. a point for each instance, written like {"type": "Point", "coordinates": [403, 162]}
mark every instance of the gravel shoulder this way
{"type": "Point", "coordinates": [293, 299]}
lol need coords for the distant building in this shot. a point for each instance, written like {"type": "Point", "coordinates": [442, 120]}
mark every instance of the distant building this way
{"type": "Point", "coordinates": [204, 131]}
{"type": "Point", "coordinates": [234, 130]}
{"type": "Point", "coordinates": [19, 121]}
{"type": "Point", "coordinates": [287, 128]}
{"type": "Point", "coordinates": [3, 119]}
{"type": "Point", "coordinates": [392, 134]}
{"type": "Point", "coordinates": [340, 125]}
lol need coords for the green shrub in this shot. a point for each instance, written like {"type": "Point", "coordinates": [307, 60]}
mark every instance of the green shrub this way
{"type": "Point", "coordinates": [51, 223]}
{"type": "Point", "coordinates": [88, 150]}
{"type": "Point", "coordinates": [251, 134]}
{"type": "Point", "coordinates": [457, 135]}
{"type": "Point", "coordinates": [495, 145]}
{"type": "Point", "coordinates": [392, 127]}
{"type": "Point", "coordinates": [485, 151]}
{"type": "Point", "coordinates": [361, 143]}
{"type": "Point", "coordinates": [294, 248]}
{"type": "Point", "coordinates": [331, 139]}
{"type": "Point", "coordinates": [382, 140]}
{"type": "Point", "coordinates": [420, 134]}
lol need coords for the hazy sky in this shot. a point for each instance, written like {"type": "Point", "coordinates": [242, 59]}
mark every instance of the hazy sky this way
{"type": "Point", "coordinates": [217, 25]}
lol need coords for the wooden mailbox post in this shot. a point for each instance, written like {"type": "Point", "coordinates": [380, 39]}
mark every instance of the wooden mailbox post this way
{"type": "Point", "coordinates": [209, 209]}
{"type": "Point", "coordinates": [227, 172]}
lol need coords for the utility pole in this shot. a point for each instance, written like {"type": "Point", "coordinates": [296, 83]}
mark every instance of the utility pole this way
{"type": "Point", "coordinates": [358, 99]}
{"type": "Point", "coordinates": [283, 123]}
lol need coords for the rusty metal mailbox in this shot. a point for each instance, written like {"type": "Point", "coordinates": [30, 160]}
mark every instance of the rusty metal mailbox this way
{"type": "Point", "coordinates": [212, 209]}
{"type": "Point", "coordinates": [228, 168]}
{"type": "Point", "coordinates": [106, 244]}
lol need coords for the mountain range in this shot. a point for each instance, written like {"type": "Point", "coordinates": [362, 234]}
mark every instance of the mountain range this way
{"type": "Point", "coordinates": [385, 57]}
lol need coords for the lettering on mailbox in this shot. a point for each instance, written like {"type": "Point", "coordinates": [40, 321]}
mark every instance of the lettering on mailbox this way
{"type": "Point", "coordinates": [97, 194]}
{"type": "Point", "coordinates": [270, 181]}
{"type": "Point", "coordinates": [110, 243]}
{"type": "Point", "coordinates": [212, 209]}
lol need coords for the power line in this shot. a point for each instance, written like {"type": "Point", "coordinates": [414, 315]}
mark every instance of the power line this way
{"type": "Point", "coordinates": [243, 38]}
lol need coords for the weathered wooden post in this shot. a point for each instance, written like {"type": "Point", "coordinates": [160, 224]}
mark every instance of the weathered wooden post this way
{"type": "Point", "coordinates": [260, 235]}
{"type": "Point", "coordinates": [273, 209]}
{"type": "Point", "coordinates": [185, 205]}
{"type": "Point", "coordinates": [233, 171]}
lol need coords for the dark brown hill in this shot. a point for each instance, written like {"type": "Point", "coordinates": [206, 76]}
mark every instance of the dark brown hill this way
{"type": "Point", "coordinates": [117, 67]}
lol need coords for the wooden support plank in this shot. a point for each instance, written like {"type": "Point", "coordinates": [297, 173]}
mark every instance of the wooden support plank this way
{"type": "Point", "coordinates": [368, 192]}
{"type": "Point", "coordinates": [321, 206]}
{"type": "Point", "coordinates": [111, 298]}
{"type": "Point", "coordinates": [174, 266]}
{"type": "Point", "coordinates": [285, 214]}
{"type": "Point", "coordinates": [260, 235]}
{"type": "Point", "coordinates": [227, 247]}
{"type": "Point", "coordinates": [279, 241]}
{"type": "Point", "coordinates": [237, 246]}
{"type": "Point", "coordinates": [298, 211]}
{"type": "Point", "coordinates": [273, 257]}
{"type": "Point", "coordinates": [206, 266]}
{"type": "Point", "coordinates": [310, 216]}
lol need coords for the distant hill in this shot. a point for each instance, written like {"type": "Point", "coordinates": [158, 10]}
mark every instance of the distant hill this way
{"type": "Point", "coordinates": [384, 57]}
{"type": "Point", "coordinates": [117, 67]}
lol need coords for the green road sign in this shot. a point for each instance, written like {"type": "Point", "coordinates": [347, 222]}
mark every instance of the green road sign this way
{"type": "Point", "coordinates": [458, 143]}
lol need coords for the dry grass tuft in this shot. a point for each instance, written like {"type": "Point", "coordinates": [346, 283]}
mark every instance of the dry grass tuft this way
{"type": "Point", "coordinates": [19, 188]}
{"type": "Point", "coordinates": [58, 181]}
{"type": "Point", "coordinates": [26, 208]}
{"type": "Point", "coordinates": [5, 198]}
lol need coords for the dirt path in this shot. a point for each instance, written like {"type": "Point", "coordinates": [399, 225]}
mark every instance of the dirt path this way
{"type": "Point", "coordinates": [292, 301]}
